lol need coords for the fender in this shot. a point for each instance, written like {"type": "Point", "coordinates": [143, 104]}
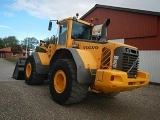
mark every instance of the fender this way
{"type": "Point", "coordinates": [86, 65]}
{"type": "Point", "coordinates": [41, 62]}
{"type": "Point", "coordinates": [85, 62]}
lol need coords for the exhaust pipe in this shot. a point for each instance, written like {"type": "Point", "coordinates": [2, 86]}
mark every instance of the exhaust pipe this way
{"type": "Point", "coordinates": [103, 30]}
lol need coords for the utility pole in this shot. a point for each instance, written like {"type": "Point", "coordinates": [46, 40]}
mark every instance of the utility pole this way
{"type": "Point", "coordinates": [27, 41]}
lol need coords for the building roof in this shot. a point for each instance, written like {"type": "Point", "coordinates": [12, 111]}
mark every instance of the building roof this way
{"type": "Point", "coordinates": [8, 49]}
{"type": "Point", "coordinates": [121, 9]}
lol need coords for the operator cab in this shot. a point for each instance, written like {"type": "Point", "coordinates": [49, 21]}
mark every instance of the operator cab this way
{"type": "Point", "coordinates": [75, 29]}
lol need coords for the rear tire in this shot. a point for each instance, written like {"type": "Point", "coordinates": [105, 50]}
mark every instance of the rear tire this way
{"type": "Point", "coordinates": [30, 74]}
{"type": "Point", "coordinates": [63, 84]}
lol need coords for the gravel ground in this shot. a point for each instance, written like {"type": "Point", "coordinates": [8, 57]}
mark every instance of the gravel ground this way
{"type": "Point", "coordinates": [19, 101]}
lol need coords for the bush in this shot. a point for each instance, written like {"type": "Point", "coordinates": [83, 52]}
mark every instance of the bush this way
{"type": "Point", "coordinates": [11, 60]}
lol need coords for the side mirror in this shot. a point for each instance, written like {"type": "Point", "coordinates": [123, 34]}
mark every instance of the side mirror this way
{"type": "Point", "coordinates": [50, 26]}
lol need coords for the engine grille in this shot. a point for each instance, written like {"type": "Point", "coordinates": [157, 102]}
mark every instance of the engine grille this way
{"type": "Point", "coordinates": [130, 63]}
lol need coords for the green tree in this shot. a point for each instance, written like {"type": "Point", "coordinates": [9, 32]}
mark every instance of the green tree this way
{"type": "Point", "coordinates": [1, 43]}
{"type": "Point", "coordinates": [48, 40]}
{"type": "Point", "coordinates": [32, 43]}
{"type": "Point", "coordinates": [39, 49]}
{"type": "Point", "coordinates": [10, 41]}
{"type": "Point", "coordinates": [16, 49]}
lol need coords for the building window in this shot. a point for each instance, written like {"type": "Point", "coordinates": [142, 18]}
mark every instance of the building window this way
{"type": "Point", "coordinates": [24, 54]}
{"type": "Point", "coordinates": [14, 54]}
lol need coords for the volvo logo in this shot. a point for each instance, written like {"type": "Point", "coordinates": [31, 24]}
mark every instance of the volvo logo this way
{"type": "Point", "coordinates": [90, 47]}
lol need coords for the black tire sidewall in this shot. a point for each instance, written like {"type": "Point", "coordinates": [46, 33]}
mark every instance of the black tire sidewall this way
{"type": "Point", "coordinates": [61, 97]}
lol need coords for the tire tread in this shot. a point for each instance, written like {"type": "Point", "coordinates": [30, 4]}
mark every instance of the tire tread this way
{"type": "Point", "coordinates": [35, 79]}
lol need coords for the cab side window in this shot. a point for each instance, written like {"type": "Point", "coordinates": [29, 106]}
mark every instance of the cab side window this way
{"type": "Point", "coordinates": [62, 33]}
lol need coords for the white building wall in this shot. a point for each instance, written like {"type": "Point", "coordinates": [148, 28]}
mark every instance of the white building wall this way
{"type": "Point", "coordinates": [150, 62]}
{"type": "Point", "coordinates": [117, 40]}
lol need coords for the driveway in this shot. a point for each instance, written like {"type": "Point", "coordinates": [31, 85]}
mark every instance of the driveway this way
{"type": "Point", "coordinates": [19, 101]}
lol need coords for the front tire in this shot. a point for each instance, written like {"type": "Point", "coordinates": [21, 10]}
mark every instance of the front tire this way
{"type": "Point", "coordinates": [63, 84]}
{"type": "Point", "coordinates": [30, 74]}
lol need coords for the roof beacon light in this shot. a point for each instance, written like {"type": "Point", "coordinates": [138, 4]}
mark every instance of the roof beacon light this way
{"type": "Point", "coordinates": [91, 20]}
{"type": "Point", "coordinates": [77, 14]}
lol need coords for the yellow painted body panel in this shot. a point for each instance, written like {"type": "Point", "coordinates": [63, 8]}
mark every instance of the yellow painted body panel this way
{"type": "Point", "coordinates": [105, 83]}
{"type": "Point", "coordinates": [51, 50]}
{"type": "Point", "coordinates": [97, 51]}
{"type": "Point", "coordinates": [44, 58]}
{"type": "Point", "coordinates": [88, 59]}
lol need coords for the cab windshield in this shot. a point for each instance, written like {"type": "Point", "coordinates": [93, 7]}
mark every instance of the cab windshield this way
{"type": "Point", "coordinates": [81, 31]}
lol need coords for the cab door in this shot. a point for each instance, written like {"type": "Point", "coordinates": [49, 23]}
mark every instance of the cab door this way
{"type": "Point", "coordinates": [62, 38]}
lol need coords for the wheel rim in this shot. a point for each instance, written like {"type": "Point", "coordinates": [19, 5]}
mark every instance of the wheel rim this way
{"type": "Point", "coordinates": [59, 81]}
{"type": "Point", "coordinates": [28, 70]}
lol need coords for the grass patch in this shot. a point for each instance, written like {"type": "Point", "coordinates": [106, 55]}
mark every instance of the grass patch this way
{"type": "Point", "coordinates": [11, 60]}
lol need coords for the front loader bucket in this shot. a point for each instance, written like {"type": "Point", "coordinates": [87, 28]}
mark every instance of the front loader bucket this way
{"type": "Point", "coordinates": [18, 73]}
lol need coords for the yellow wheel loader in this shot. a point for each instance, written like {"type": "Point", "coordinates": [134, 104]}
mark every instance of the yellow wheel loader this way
{"type": "Point", "coordinates": [81, 60]}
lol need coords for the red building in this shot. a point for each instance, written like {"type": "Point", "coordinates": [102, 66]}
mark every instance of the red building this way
{"type": "Point", "coordinates": [7, 53]}
{"type": "Point", "coordinates": [138, 28]}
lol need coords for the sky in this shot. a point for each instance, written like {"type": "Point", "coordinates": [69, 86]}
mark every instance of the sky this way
{"type": "Point", "coordinates": [30, 18]}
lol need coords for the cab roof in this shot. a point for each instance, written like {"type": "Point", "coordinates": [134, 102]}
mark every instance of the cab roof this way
{"type": "Point", "coordinates": [75, 19]}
